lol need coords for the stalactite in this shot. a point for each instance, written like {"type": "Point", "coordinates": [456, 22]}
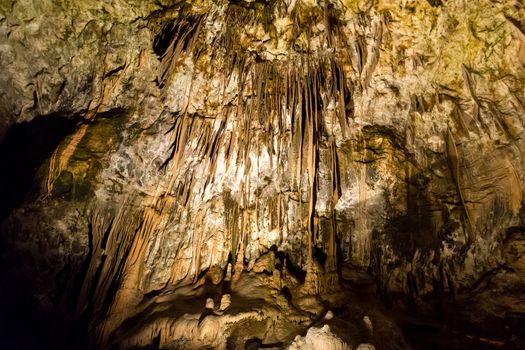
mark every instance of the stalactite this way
{"type": "Point", "coordinates": [278, 103]}
{"type": "Point", "coordinates": [132, 240]}
{"type": "Point", "coordinates": [363, 238]}
{"type": "Point", "coordinates": [331, 262]}
{"type": "Point", "coordinates": [455, 165]}
{"type": "Point", "coordinates": [373, 51]}
{"type": "Point", "coordinates": [196, 245]}
{"type": "Point", "coordinates": [187, 31]}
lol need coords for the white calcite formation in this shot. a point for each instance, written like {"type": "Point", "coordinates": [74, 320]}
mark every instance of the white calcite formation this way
{"type": "Point", "coordinates": [319, 338]}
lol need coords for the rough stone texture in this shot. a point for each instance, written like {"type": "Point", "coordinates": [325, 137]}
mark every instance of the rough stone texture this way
{"type": "Point", "coordinates": [320, 338]}
{"type": "Point", "coordinates": [381, 135]}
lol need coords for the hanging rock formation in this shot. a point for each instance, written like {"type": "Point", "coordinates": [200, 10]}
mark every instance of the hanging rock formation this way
{"type": "Point", "coordinates": [155, 147]}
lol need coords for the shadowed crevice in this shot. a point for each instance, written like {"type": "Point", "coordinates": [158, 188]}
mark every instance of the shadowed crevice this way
{"type": "Point", "coordinates": [24, 148]}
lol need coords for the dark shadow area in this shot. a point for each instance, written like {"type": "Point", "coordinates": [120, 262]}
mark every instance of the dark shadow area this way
{"type": "Point", "coordinates": [24, 148]}
{"type": "Point", "coordinates": [163, 39]}
{"type": "Point", "coordinates": [434, 336]}
{"type": "Point", "coordinates": [418, 229]}
{"type": "Point", "coordinates": [294, 270]}
{"type": "Point", "coordinates": [320, 256]}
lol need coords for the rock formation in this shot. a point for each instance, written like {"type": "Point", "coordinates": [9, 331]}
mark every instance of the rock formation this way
{"type": "Point", "coordinates": [157, 153]}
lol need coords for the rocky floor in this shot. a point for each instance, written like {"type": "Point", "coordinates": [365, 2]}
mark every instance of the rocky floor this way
{"type": "Point", "coordinates": [263, 310]}
{"type": "Point", "coordinates": [255, 313]}
{"type": "Point", "coordinates": [270, 309]}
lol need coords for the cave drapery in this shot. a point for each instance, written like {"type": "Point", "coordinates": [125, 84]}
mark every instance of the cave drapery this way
{"type": "Point", "coordinates": [152, 148]}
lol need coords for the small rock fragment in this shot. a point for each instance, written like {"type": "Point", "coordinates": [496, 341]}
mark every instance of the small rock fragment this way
{"type": "Point", "coordinates": [225, 302]}
{"type": "Point", "coordinates": [368, 323]}
{"type": "Point", "coordinates": [319, 338]}
{"type": "Point", "coordinates": [329, 315]}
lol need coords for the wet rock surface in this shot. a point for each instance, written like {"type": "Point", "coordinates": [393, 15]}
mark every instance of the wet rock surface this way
{"type": "Point", "coordinates": [302, 155]}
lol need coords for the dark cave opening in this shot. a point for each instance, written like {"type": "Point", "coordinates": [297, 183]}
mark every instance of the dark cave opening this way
{"type": "Point", "coordinates": [23, 150]}
{"type": "Point", "coordinates": [25, 146]}
{"type": "Point", "coordinates": [163, 39]}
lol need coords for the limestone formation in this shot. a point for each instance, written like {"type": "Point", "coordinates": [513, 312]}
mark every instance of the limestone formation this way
{"type": "Point", "coordinates": [277, 157]}
{"type": "Point", "coordinates": [319, 338]}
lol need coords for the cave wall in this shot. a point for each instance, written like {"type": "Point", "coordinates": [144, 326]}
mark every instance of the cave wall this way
{"type": "Point", "coordinates": [380, 135]}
